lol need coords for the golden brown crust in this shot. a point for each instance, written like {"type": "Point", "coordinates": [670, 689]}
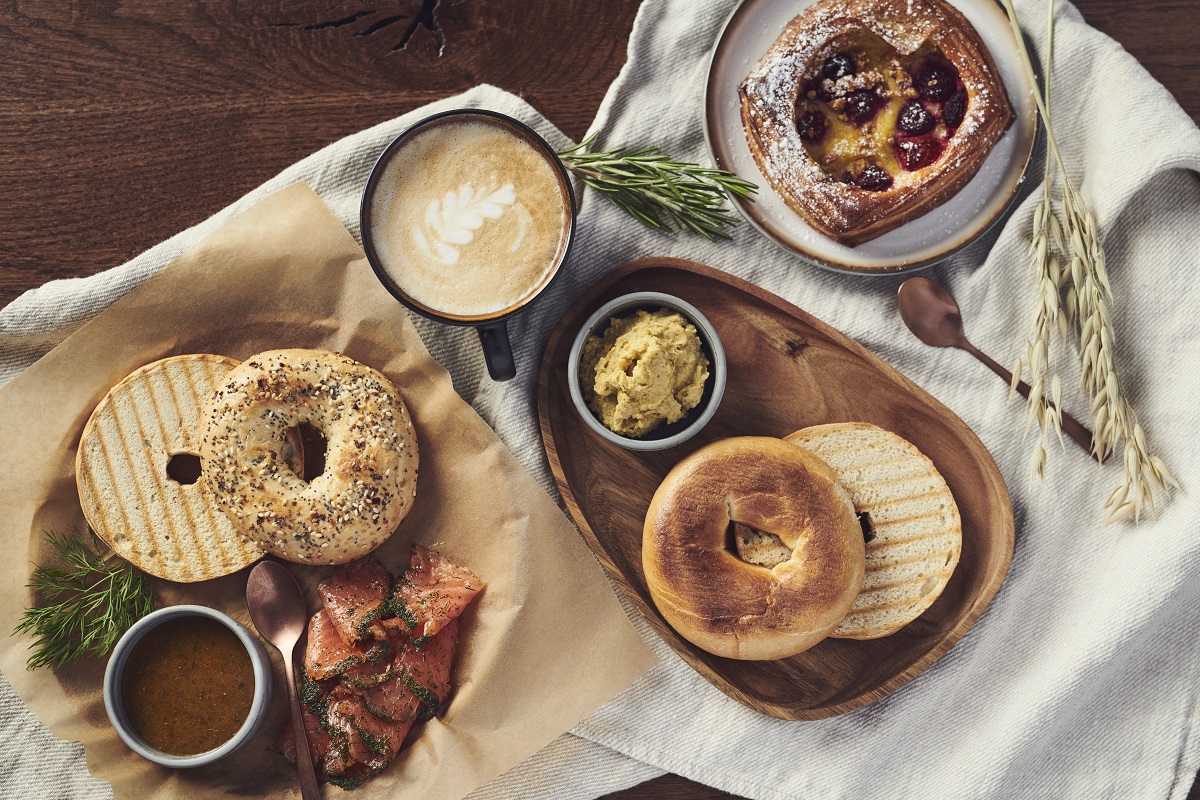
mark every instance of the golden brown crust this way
{"type": "Point", "coordinates": [369, 482]}
{"type": "Point", "coordinates": [725, 605]}
{"type": "Point", "coordinates": [839, 209]}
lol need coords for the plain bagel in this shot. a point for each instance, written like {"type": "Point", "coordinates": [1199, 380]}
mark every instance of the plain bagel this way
{"type": "Point", "coordinates": [731, 607]}
{"type": "Point", "coordinates": [369, 482]}
{"type": "Point", "coordinates": [915, 536]}
{"type": "Point", "coordinates": [132, 496]}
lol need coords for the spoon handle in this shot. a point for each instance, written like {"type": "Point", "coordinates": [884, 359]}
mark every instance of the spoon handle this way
{"type": "Point", "coordinates": [1071, 426]}
{"type": "Point", "coordinates": [309, 790]}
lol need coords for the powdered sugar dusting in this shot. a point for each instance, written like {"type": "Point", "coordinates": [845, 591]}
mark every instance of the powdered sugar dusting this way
{"type": "Point", "coordinates": [770, 92]}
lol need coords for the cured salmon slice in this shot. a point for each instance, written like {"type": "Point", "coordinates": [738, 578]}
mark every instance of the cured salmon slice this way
{"type": "Point", "coordinates": [354, 597]}
{"type": "Point", "coordinates": [422, 679]}
{"type": "Point", "coordinates": [398, 732]}
{"type": "Point", "coordinates": [327, 655]}
{"type": "Point", "coordinates": [431, 592]}
{"type": "Point", "coordinates": [378, 660]}
{"type": "Point", "coordinates": [340, 756]}
{"type": "Point", "coordinates": [373, 739]}
{"type": "Point", "coordinates": [370, 743]}
{"type": "Point", "coordinates": [323, 747]}
{"type": "Point", "coordinates": [376, 668]}
{"type": "Point", "coordinates": [425, 669]}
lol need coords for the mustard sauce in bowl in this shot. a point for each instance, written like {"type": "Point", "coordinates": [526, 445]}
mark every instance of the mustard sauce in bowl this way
{"type": "Point", "coordinates": [186, 685]}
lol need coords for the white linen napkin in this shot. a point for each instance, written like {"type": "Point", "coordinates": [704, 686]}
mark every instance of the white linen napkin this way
{"type": "Point", "coordinates": [1078, 681]}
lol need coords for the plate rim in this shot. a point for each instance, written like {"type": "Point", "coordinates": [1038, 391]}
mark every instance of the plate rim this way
{"type": "Point", "coordinates": [574, 510]}
{"type": "Point", "coordinates": [745, 207]}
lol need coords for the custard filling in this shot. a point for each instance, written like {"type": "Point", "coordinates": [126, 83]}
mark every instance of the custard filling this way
{"type": "Point", "coordinates": [868, 113]}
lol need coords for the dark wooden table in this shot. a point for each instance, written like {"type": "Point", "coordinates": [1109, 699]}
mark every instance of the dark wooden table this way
{"type": "Point", "coordinates": [123, 123]}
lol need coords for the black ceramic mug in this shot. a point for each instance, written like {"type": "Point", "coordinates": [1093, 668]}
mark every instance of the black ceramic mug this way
{"type": "Point", "coordinates": [467, 218]}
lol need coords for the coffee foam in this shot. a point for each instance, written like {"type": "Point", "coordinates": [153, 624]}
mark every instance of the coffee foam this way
{"type": "Point", "coordinates": [468, 219]}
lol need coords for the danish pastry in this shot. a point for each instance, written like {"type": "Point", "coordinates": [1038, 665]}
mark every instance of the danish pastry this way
{"type": "Point", "coordinates": [866, 114]}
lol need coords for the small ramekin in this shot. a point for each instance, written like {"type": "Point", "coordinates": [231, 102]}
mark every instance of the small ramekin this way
{"type": "Point", "coordinates": [666, 435]}
{"type": "Point", "coordinates": [115, 706]}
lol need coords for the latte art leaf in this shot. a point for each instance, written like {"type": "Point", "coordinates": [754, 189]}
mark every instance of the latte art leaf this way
{"type": "Point", "coordinates": [451, 222]}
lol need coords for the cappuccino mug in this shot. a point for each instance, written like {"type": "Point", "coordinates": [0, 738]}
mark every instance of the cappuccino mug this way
{"type": "Point", "coordinates": [466, 219]}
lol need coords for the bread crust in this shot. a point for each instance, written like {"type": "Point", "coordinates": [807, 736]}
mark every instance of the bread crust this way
{"type": "Point", "coordinates": [916, 530]}
{"type": "Point", "coordinates": [369, 482]}
{"type": "Point", "coordinates": [841, 210]}
{"type": "Point", "coordinates": [733, 608]}
{"type": "Point", "coordinates": [168, 529]}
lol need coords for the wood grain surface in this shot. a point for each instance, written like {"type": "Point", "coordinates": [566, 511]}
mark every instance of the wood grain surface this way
{"type": "Point", "coordinates": [122, 123]}
{"type": "Point", "coordinates": [786, 371]}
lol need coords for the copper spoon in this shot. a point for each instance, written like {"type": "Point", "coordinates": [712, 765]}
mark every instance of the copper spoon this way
{"type": "Point", "coordinates": [277, 608]}
{"type": "Point", "coordinates": [931, 313]}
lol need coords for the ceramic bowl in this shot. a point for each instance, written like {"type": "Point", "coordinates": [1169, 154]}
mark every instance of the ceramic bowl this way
{"type": "Point", "coordinates": [667, 435]}
{"type": "Point", "coordinates": [116, 666]}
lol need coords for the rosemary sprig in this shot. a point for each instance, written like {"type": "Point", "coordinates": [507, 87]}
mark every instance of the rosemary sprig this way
{"type": "Point", "coordinates": [1081, 300]}
{"type": "Point", "coordinates": [658, 191]}
{"type": "Point", "coordinates": [87, 603]}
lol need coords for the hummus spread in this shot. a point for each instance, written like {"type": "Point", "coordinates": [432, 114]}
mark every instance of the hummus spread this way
{"type": "Point", "coordinates": [645, 370]}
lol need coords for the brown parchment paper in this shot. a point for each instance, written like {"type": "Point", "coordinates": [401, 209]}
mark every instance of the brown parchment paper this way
{"type": "Point", "coordinates": [543, 646]}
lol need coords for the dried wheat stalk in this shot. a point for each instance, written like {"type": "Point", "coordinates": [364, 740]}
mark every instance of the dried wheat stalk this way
{"type": "Point", "coordinates": [1049, 276]}
{"type": "Point", "coordinates": [1077, 299]}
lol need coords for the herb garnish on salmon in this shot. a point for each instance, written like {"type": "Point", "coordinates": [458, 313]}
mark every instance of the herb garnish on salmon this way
{"type": "Point", "coordinates": [378, 660]}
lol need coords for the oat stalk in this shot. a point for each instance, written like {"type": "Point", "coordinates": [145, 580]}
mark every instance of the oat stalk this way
{"type": "Point", "coordinates": [1077, 299]}
{"type": "Point", "coordinates": [1049, 276]}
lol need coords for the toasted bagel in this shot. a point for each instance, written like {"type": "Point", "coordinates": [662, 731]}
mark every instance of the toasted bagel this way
{"type": "Point", "coordinates": [912, 520]}
{"type": "Point", "coordinates": [124, 471]}
{"type": "Point", "coordinates": [730, 606]}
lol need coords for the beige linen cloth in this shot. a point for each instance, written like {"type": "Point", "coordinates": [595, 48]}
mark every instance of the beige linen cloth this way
{"type": "Point", "coordinates": [1081, 678]}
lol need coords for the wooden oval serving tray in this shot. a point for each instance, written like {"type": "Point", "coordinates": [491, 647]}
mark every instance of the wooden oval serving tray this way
{"type": "Point", "coordinates": [787, 370]}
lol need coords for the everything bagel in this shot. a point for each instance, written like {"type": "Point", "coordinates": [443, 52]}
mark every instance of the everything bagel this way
{"type": "Point", "coordinates": [369, 482]}
{"type": "Point", "coordinates": [728, 606]}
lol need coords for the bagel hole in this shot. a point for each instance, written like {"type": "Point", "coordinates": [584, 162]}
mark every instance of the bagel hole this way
{"type": "Point", "coordinates": [756, 547]}
{"type": "Point", "coordinates": [184, 468]}
{"type": "Point", "coordinates": [868, 527]}
{"type": "Point", "coordinates": [314, 443]}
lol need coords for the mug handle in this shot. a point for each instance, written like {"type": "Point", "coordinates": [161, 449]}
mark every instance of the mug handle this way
{"type": "Point", "coordinates": [497, 351]}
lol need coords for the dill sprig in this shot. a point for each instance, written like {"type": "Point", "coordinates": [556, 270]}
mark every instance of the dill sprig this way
{"type": "Point", "coordinates": [86, 604]}
{"type": "Point", "coordinates": [658, 191]}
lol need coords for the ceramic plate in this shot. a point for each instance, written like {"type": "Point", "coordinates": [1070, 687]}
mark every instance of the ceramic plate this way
{"type": "Point", "coordinates": [750, 31]}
